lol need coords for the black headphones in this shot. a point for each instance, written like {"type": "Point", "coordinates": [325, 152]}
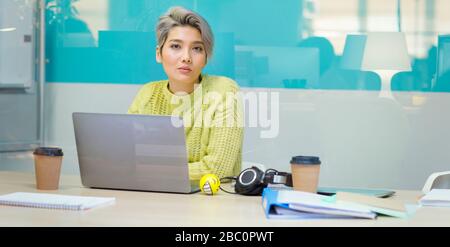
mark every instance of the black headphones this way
{"type": "Point", "coordinates": [252, 181]}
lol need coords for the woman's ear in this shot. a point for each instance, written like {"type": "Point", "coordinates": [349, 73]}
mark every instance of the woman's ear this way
{"type": "Point", "coordinates": [158, 54]}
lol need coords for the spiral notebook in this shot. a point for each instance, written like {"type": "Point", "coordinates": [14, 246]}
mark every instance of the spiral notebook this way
{"type": "Point", "coordinates": [54, 201]}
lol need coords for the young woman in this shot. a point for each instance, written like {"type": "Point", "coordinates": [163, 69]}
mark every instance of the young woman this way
{"type": "Point", "coordinates": [209, 105]}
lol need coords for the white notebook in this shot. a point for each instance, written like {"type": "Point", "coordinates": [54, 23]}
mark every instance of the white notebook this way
{"type": "Point", "coordinates": [436, 197]}
{"type": "Point", "coordinates": [54, 201]}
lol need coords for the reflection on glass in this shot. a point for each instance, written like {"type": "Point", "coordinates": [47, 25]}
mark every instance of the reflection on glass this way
{"type": "Point", "coordinates": [278, 67]}
{"type": "Point", "coordinates": [351, 62]}
{"type": "Point", "coordinates": [353, 51]}
{"type": "Point", "coordinates": [386, 54]}
{"type": "Point", "coordinates": [114, 41]}
{"type": "Point", "coordinates": [443, 65]}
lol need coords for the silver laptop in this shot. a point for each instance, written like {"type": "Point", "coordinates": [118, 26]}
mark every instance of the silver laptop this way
{"type": "Point", "coordinates": [132, 152]}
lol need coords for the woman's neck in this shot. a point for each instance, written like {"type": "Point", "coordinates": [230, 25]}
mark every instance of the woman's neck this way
{"type": "Point", "coordinates": [183, 88]}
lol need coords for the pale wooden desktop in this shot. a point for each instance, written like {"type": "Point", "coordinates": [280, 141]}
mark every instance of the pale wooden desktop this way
{"type": "Point", "coordinates": [134, 208]}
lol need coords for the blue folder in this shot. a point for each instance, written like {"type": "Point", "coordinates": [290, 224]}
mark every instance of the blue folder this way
{"type": "Point", "coordinates": [273, 208]}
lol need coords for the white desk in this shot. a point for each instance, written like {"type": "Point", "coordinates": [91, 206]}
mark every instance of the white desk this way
{"type": "Point", "coordinates": [164, 209]}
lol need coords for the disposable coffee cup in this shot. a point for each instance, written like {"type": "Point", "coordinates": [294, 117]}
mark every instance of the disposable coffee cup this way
{"type": "Point", "coordinates": [47, 165]}
{"type": "Point", "coordinates": [305, 173]}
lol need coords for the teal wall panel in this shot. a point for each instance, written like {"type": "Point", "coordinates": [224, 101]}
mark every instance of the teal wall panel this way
{"type": "Point", "coordinates": [259, 43]}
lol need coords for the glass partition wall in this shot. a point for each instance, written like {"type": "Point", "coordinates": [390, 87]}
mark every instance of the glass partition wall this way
{"type": "Point", "coordinates": [302, 62]}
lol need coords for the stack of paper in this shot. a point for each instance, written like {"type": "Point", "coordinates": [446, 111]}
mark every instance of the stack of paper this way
{"type": "Point", "coordinates": [437, 198]}
{"type": "Point", "coordinates": [296, 204]}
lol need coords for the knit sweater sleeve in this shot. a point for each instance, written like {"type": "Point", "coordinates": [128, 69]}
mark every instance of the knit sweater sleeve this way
{"type": "Point", "coordinates": [141, 99]}
{"type": "Point", "coordinates": [223, 153]}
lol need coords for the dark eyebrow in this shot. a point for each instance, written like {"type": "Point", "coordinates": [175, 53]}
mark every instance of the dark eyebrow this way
{"type": "Point", "coordinates": [198, 42]}
{"type": "Point", "coordinates": [181, 41]}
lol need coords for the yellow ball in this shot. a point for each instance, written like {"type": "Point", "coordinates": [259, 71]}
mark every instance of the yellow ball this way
{"type": "Point", "coordinates": [209, 184]}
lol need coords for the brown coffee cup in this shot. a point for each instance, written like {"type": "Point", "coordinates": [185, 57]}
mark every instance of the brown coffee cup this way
{"type": "Point", "coordinates": [47, 165]}
{"type": "Point", "coordinates": [305, 173]}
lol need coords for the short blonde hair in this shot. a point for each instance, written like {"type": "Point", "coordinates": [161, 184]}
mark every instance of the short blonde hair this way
{"type": "Point", "coordinates": [179, 16]}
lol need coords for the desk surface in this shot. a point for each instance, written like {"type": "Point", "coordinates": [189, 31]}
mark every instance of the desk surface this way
{"type": "Point", "coordinates": [134, 208]}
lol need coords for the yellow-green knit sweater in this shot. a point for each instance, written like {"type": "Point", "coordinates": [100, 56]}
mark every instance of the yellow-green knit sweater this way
{"type": "Point", "coordinates": [213, 122]}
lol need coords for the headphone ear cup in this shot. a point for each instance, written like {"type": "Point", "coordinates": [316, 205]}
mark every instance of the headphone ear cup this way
{"type": "Point", "coordinates": [250, 182]}
{"type": "Point", "coordinates": [243, 190]}
{"type": "Point", "coordinates": [250, 189]}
